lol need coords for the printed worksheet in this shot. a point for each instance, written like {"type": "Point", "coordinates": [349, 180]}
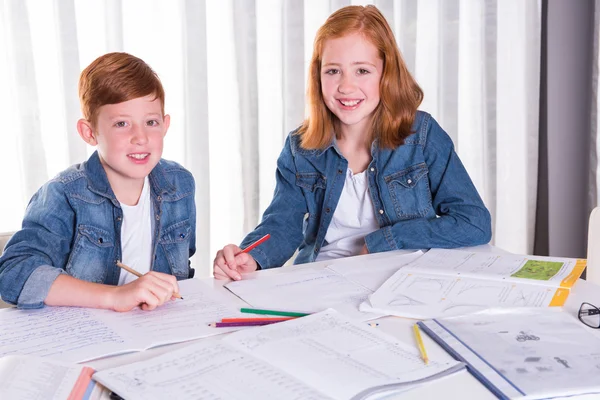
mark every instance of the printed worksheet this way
{"type": "Point", "coordinates": [321, 356]}
{"type": "Point", "coordinates": [537, 353]}
{"type": "Point", "coordinates": [343, 286]}
{"type": "Point", "coordinates": [453, 282]}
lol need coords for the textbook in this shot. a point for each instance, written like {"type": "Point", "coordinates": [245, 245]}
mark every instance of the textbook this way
{"type": "Point", "coordinates": [76, 334]}
{"type": "Point", "coordinates": [28, 377]}
{"type": "Point", "coordinates": [538, 353]}
{"type": "Point", "coordinates": [454, 282]}
{"type": "Point", "coordinates": [320, 356]}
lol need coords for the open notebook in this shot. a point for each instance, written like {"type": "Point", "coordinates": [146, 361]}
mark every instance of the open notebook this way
{"type": "Point", "coordinates": [536, 353]}
{"type": "Point", "coordinates": [321, 356]}
{"type": "Point", "coordinates": [453, 282]}
{"type": "Point", "coordinates": [80, 334]}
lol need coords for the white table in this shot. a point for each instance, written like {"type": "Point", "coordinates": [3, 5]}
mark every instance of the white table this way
{"type": "Point", "coordinates": [460, 386]}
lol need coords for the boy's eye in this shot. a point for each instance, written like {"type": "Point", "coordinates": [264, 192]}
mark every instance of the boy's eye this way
{"type": "Point", "coordinates": [332, 71]}
{"type": "Point", "coordinates": [153, 122]}
{"type": "Point", "coordinates": [121, 124]}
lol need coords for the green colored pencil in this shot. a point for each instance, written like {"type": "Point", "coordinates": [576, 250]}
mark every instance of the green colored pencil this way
{"type": "Point", "coordinates": [272, 312]}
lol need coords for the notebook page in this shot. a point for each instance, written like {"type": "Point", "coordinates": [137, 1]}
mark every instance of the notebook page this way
{"type": "Point", "coordinates": [337, 356]}
{"type": "Point", "coordinates": [307, 290]}
{"type": "Point", "coordinates": [27, 378]}
{"type": "Point", "coordinates": [207, 371]}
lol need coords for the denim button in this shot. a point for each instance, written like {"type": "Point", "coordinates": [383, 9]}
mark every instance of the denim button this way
{"type": "Point", "coordinates": [409, 181]}
{"type": "Point", "coordinates": [158, 198]}
{"type": "Point", "coordinates": [372, 169]}
{"type": "Point", "coordinates": [328, 210]}
{"type": "Point", "coordinates": [182, 235]}
{"type": "Point", "coordinates": [380, 211]}
{"type": "Point", "coordinates": [340, 171]}
{"type": "Point", "coordinates": [118, 218]}
{"type": "Point", "coordinates": [100, 240]}
{"type": "Point", "coordinates": [157, 217]}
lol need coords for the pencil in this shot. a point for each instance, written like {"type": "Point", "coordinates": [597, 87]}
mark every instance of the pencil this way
{"type": "Point", "coordinates": [259, 241]}
{"type": "Point", "coordinates": [257, 319]}
{"type": "Point", "coordinates": [253, 323]}
{"type": "Point", "coordinates": [272, 312]}
{"type": "Point", "coordinates": [134, 272]}
{"type": "Point", "coordinates": [420, 344]}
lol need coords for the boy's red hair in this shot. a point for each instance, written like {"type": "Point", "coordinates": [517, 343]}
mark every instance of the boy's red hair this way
{"type": "Point", "coordinates": [399, 92]}
{"type": "Point", "coordinates": [114, 78]}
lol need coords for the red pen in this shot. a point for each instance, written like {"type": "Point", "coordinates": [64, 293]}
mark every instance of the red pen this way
{"type": "Point", "coordinates": [259, 241]}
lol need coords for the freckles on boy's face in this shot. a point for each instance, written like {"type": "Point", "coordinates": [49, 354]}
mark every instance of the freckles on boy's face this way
{"type": "Point", "coordinates": [130, 137]}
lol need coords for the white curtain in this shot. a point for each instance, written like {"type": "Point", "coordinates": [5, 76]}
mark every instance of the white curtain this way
{"type": "Point", "coordinates": [234, 72]}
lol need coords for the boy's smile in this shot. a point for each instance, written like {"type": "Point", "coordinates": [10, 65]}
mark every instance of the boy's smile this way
{"type": "Point", "coordinates": [129, 136]}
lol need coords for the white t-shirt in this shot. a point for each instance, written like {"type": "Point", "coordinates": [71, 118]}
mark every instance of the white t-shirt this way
{"type": "Point", "coordinates": [353, 219]}
{"type": "Point", "coordinates": [136, 236]}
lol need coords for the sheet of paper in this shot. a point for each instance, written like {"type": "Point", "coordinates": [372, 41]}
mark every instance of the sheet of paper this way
{"type": "Point", "coordinates": [541, 352]}
{"type": "Point", "coordinates": [421, 295]}
{"type": "Point", "coordinates": [340, 357]}
{"type": "Point", "coordinates": [78, 334]}
{"type": "Point", "coordinates": [376, 272]}
{"type": "Point", "coordinates": [306, 290]}
{"type": "Point", "coordinates": [550, 271]}
{"type": "Point", "coordinates": [206, 371]}
{"type": "Point", "coordinates": [27, 378]}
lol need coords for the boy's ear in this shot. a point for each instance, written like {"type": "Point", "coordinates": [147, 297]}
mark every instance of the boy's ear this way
{"type": "Point", "coordinates": [166, 123]}
{"type": "Point", "coordinates": [85, 130]}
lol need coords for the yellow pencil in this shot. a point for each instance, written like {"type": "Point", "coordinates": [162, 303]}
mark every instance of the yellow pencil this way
{"type": "Point", "coordinates": [134, 272]}
{"type": "Point", "coordinates": [420, 344]}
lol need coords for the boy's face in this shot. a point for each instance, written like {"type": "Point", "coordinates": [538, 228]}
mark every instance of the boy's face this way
{"type": "Point", "coordinates": [130, 136]}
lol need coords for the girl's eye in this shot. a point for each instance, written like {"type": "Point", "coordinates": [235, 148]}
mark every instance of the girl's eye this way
{"type": "Point", "coordinates": [332, 71]}
{"type": "Point", "coordinates": [152, 122]}
{"type": "Point", "coordinates": [362, 71]}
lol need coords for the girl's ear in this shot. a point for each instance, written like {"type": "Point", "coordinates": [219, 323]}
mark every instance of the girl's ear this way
{"type": "Point", "coordinates": [85, 130]}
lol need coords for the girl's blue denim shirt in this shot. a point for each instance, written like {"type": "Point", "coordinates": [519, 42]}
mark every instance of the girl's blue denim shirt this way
{"type": "Point", "coordinates": [422, 194]}
{"type": "Point", "coordinates": [72, 225]}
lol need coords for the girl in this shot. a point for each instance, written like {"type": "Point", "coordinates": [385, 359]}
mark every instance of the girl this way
{"type": "Point", "coordinates": [366, 172]}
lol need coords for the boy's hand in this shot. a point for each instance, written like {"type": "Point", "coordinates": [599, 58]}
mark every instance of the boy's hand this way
{"type": "Point", "coordinates": [230, 263]}
{"type": "Point", "coordinates": [148, 291]}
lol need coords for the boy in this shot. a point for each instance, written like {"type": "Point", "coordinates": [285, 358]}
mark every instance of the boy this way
{"type": "Point", "coordinates": [124, 204]}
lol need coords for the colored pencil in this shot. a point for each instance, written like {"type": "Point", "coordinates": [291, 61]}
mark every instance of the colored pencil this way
{"type": "Point", "coordinates": [254, 323]}
{"type": "Point", "coordinates": [134, 272]}
{"type": "Point", "coordinates": [259, 241]}
{"type": "Point", "coordinates": [257, 319]}
{"type": "Point", "coordinates": [272, 312]}
{"type": "Point", "coordinates": [420, 344]}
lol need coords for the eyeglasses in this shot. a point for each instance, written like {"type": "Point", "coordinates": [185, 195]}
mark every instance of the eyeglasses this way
{"type": "Point", "coordinates": [589, 315]}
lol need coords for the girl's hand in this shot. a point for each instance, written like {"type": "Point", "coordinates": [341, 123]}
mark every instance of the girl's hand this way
{"type": "Point", "coordinates": [230, 263]}
{"type": "Point", "coordinates": [364, 250]}
{"type": "Point", "coordinates": [148, 291]}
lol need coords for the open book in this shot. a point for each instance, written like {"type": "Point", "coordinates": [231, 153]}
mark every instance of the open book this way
{"type": "Point", "coordinates": [29, 377]}
{"type": "Point", "coordinates": [80, 334]}
{"type": "Point", "coordinates": [454, 282]}
{"type": "Point", "coordinates": [538, 353]}
{"type": "Point", "coordinates": [321, 356]}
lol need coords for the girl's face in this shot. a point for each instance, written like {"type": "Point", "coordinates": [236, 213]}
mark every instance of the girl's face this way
{"type": "Point", "coordinates": [350, 73]}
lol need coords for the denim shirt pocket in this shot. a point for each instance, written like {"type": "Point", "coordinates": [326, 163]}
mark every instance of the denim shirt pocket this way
{"type": "Point", "coordinates": [409, 191]}
{"type": "Point", "coordinates": [92, 253]}
{"type": "Point", "coordinates": [314, 185]}
{"type": "Point", "coordinates": [175, 241]}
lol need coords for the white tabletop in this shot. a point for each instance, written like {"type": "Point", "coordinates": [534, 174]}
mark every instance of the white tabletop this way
{"type": "Point", "coordinates": [460, 386]}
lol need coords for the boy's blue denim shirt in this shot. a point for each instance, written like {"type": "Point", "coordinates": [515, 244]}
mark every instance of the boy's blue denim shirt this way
{"type": "Point", "coordinates": [72, 225]}
{"type": "Point", "coordinates": [422, 194]}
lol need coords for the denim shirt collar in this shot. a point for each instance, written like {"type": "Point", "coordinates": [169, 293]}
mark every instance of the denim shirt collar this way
{"type": "Point", "coordinates": [333, 144]}
{"type": "Point", "coordinates": [98, 181]}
